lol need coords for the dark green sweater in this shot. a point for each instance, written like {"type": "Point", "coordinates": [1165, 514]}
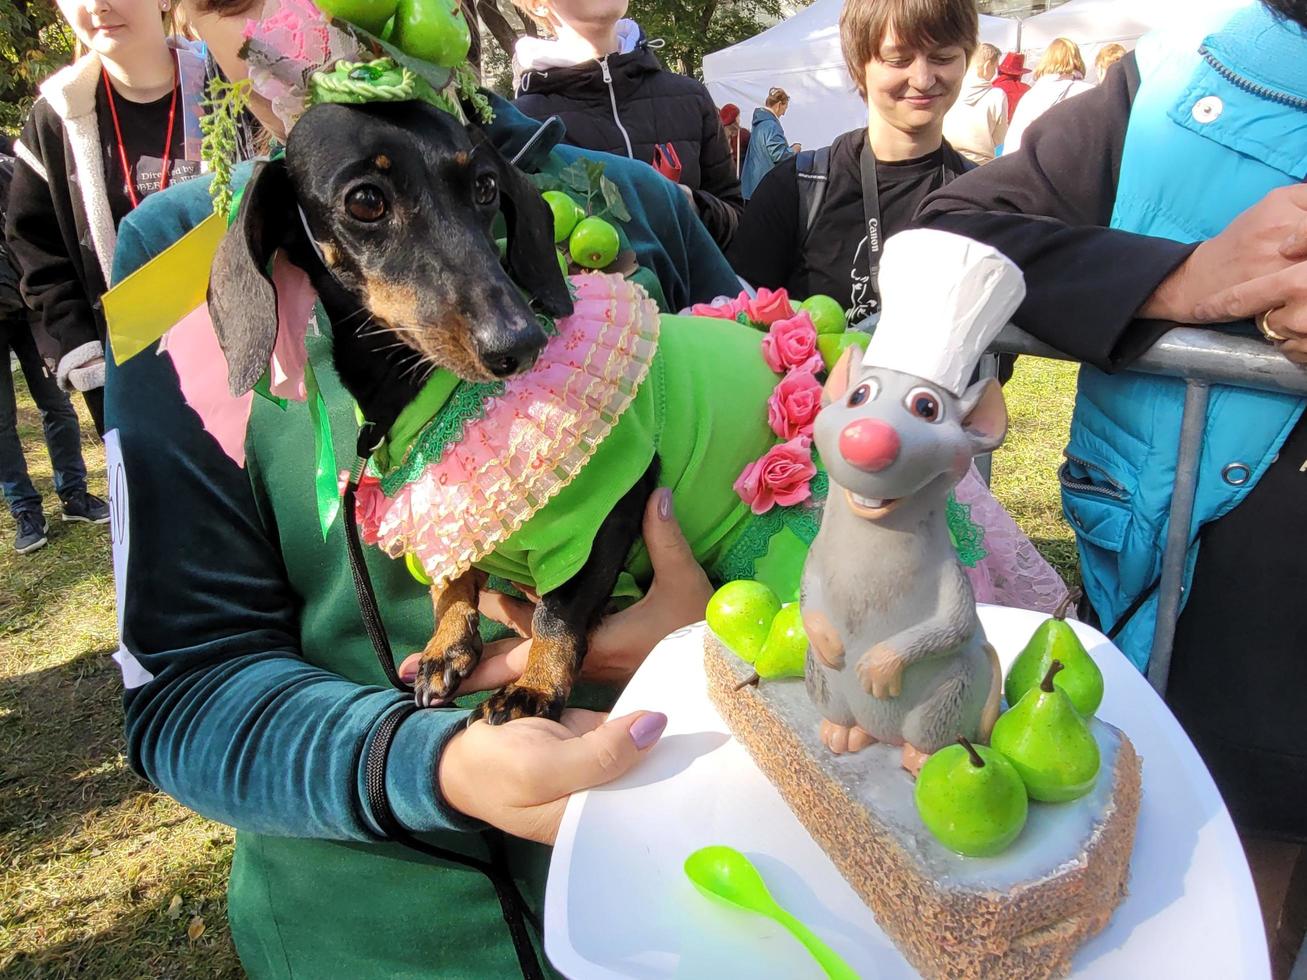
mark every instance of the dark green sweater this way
{"type": "Point", "coordinates": [255, 690]}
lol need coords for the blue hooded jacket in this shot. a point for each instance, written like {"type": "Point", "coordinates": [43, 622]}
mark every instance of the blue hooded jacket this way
{"type": "Point", "coordinates": [767, 147]}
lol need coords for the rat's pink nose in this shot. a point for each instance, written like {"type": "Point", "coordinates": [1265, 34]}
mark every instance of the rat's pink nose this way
{"type": "Point", "coordinates": [869, 444]}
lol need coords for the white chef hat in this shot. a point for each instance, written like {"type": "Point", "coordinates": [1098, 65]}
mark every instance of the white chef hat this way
{"type": "Point", "coordinates": [944, 297]}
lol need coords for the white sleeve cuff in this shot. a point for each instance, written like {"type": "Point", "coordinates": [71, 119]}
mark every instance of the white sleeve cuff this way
{"type": "Point", "coordinates": [77, 358]}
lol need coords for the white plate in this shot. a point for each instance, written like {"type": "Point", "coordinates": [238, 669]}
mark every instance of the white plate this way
{"type": "Point", "coordinates": [619, 905]}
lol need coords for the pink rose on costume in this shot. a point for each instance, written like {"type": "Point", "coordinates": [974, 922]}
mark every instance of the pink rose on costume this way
{"type": "Point", "coordinates": [723, 308]}
{"type": "Point", "coordinates": [794, 404]}
{"type": "Point", "coordinates": [369, 505]}
{"type": "Point", "coordinates": [782, 476]}
{"type": "Point", "coordinates": [790, 343]}
{"type": "Point", "coordinates": [768, 307]}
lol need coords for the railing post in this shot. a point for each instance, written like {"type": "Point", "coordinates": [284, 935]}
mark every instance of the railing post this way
{"type": "Point", "coordinates": [1176, 550]}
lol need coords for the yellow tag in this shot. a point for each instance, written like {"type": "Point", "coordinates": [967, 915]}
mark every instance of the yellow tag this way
{"type": "Point", "coordinates": [142, 308]}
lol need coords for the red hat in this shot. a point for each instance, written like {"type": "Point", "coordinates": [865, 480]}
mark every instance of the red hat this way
{"type": "Point", "coordinates": [1013, 63]}
{"type": "Point", "coordinates": [729, 113]}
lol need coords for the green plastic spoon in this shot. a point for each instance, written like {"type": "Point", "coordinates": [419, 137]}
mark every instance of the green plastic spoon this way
{"type": "Point", "coordinates": [724, 874]}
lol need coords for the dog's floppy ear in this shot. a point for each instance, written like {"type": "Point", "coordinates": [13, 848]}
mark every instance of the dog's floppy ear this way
{"type": "Point", "coordinates": [242, 300]}
{"type": "Point", "coordinates": [532, 258]}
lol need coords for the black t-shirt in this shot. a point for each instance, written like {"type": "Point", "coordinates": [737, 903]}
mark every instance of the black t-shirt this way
{"type": "Point", "coordinates": [770, 250]}
{"type": "Point", "coordinates": [144, 127]}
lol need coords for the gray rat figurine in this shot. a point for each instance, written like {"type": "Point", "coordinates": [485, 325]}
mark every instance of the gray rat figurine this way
{"type": "Point", "coordinates": [896, 651]}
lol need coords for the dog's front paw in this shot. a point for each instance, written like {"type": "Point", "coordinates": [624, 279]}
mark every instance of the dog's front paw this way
{"type": "Point", "coordinates": [516, 701]}
{"type": "Point", "coordinates": [440, 671]}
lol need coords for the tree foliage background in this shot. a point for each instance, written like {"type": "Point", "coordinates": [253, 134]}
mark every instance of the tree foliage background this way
{"type": "Point", "coordinates": [33, 42]}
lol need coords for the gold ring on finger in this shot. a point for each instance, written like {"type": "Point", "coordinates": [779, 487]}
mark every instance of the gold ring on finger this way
{"type": "Point", "coordinates": [1263, 324]}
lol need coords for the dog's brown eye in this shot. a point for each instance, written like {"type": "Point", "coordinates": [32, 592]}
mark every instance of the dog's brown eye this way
{"type": "Point", "coordinates": [923, 403]}
{"type": "Point", "coordinates": [487, 189]}
{"type": "Point", "coordinates": [366, 203]}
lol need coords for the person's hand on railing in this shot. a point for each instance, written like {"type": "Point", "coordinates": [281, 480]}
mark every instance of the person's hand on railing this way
{"type": "Point", "coordinates": [1277, 302]}
{"type": "Point", "coordinates": [1267, 239]}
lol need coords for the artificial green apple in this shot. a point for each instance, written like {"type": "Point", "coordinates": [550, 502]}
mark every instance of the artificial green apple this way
{"type": "Point", "coordinates": [433, 30]}
{"type": "Point", "coordinates": [566, 213]}
{"type": "Point", "coordinates": [827, 315]}
{"type": "Point", "coordinates": [741, 614]}
{"type": "Point", "coordinates": [593, 243]}
{"type": "Point", "coordinates": [971, 798]}
{"type": "Point", "coordinates": [1054, 639]}
{"type": "Point", "coordinates": [371, 15]}
{"type": "Point", "coordinates": [785, 650]}
{"type": "Point", "coordinates": [415, 568]}
{"type": "Point", "coordinates": [832, 345]}
{"type": "Point", "coordinates": [1049, 743]}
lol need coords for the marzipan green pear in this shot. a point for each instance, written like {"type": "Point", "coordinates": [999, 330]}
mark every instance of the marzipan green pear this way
{"type": "Point", "coordinates": [1049, 743]}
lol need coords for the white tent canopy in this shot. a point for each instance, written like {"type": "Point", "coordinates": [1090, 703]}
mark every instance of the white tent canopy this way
{"type": "Point", "coordinates": [1093, 24]}
{"type": "Point", "coordinates": [802, 55]}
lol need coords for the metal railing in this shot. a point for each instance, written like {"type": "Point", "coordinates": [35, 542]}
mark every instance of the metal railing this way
{"type": "Point", "coordinates": [1201, 358]}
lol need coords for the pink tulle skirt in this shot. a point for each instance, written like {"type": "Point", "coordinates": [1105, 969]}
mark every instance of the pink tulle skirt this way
{"type": "Point", "coordinates": [1012, 573]}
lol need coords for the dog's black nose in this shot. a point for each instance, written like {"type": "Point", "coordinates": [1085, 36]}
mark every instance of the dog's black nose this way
{"type": "Point", "coordinates": [517, 355]}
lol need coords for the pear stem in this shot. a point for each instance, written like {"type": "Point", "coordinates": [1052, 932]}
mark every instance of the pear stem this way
{"type": "Point", "coordinates": [750, 681]}
{"type": "Point", "coordinates": [1046, 685]}
{"type": "Point", "coordinates": [1072, 597]}
{"type": "Point", "coordinates": [976, 760]}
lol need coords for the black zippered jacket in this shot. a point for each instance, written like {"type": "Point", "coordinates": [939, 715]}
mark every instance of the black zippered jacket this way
{"type": "Point", "coordinates": [627, 104]}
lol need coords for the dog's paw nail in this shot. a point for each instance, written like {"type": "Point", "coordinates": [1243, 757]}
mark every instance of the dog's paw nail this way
{"type": "Point", "coordinates": [452, 677]}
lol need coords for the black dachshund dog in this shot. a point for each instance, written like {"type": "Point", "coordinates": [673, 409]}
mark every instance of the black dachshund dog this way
{"type": "Point", "coordinates": [399, 199]}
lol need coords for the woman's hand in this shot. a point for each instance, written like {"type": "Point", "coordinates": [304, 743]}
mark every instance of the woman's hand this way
{"type": "Point", "coordinates": [1283, 294]}
{"type": "Point", "coordinates": [1267, 238]}
{"type": "Point", "coordinates": [518, 776]}
{"type": "Point", "coordinates": [677, 596]}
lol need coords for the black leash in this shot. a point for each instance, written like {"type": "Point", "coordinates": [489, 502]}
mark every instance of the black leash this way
{"type": "Point", "coordinates": [515, 910]}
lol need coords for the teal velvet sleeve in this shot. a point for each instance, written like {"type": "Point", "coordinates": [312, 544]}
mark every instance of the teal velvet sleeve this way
{"type": "Point", "coordinates": [229, 719]}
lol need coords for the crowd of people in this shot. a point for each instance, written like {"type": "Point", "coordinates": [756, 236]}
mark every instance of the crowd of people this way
{"type": "Point", "coordinates": [254, 700]}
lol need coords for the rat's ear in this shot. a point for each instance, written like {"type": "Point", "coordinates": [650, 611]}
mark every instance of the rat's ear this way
{"type": "Point", "coordinates": [984, 415]}
{"type": "Point", "coordinates": [242, 300]}
{"type": "Point", "coordinates": [532, 258]}
{"type": "Point", "coordinates": [841, 376]}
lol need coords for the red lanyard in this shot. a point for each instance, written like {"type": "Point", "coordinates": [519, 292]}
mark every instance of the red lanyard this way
{"type": "Point", "coordinates": [118, 132]}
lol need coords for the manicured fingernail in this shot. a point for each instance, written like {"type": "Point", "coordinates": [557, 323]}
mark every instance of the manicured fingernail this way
{"type": "Point", "coordinates": [665, 504]}
{"type": "Point", "coordinates": [648, 729]}
{"type": "Point", "coordinates": [407, 674]}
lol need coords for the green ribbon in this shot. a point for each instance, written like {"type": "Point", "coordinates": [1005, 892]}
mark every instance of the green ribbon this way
{"type": "Point", "coordinates": [324, 476]}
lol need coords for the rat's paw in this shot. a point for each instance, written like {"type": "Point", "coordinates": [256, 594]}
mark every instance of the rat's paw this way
{"type": "Point", "coordinates": [844, 738]}
{"type": "Point", "coordinates": [824, 637]}
{"type": "Point", "coordinates": [880, 672]}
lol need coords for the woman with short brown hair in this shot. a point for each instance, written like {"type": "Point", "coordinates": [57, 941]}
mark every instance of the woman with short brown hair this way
{"type": "Point", "coordinates": [823, 234]}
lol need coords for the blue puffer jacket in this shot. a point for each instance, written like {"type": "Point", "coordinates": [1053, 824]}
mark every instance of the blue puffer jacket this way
{"type": "Point", "coordinates": [767, 147]}
{"type": "Point", "coordinates": [1220, 119]}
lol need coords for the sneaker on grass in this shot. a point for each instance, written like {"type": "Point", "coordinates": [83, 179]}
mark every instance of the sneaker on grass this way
{"type": "Point", "coordinates": [85, 507]}
{"type": "Point", "coordinates": [32, 530]}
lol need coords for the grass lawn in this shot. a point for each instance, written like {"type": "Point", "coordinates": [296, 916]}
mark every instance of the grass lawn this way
{"type": "Point", "coordinates": [102, 877]}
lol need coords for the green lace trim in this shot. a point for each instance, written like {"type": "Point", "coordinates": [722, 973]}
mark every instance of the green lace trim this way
{"type": "Point", "coordinates": [740, 560]}
{"type": "Point", "coordinates": [967, 536]}
{"type": "Point", "coordinates": [466, 404]}
{"type": "Point", "coordinates": [754, 540]}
